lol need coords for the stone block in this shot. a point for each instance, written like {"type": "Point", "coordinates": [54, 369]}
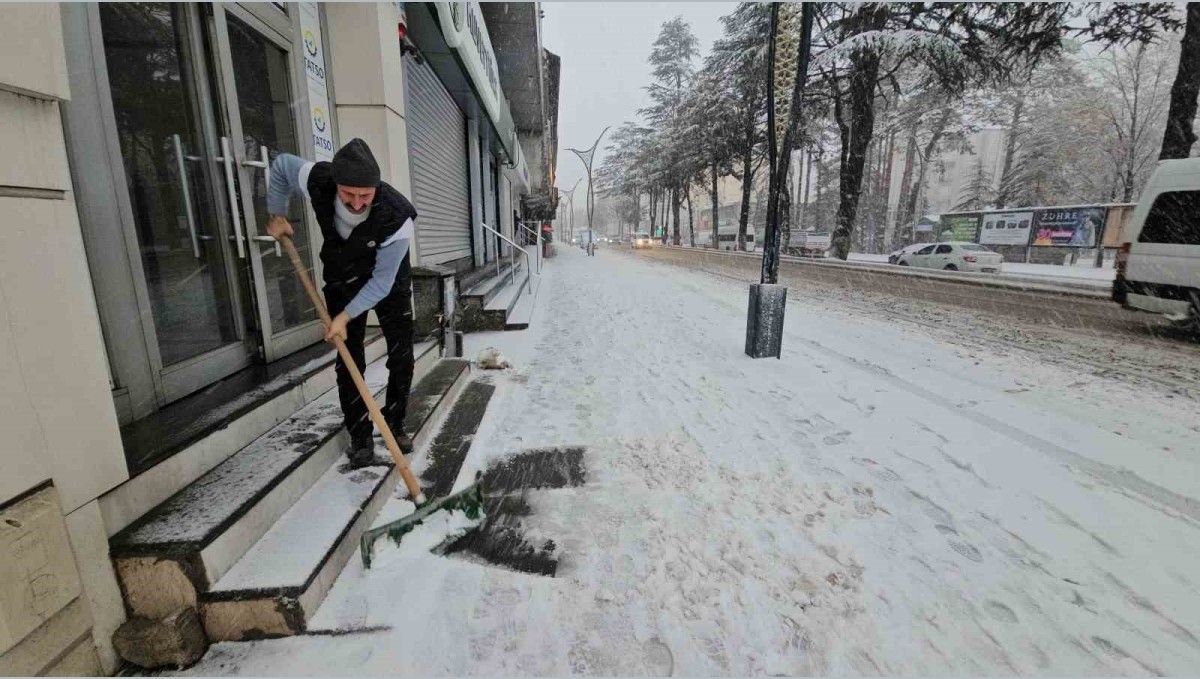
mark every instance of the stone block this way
{"type": "Point", "coordinates": [37, 574]}
{"type": "Point", "coordinates": [175, 641]}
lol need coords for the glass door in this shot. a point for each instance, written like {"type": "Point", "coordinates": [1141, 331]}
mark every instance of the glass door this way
{"type": "Point", "coordinates": [258, 84]}
{"type": "Point", "coordinates": [189, 287]}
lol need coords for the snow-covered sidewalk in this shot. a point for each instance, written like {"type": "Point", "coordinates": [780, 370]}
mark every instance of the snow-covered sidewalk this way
{"type": "Point", "coordinates": [876, 502]}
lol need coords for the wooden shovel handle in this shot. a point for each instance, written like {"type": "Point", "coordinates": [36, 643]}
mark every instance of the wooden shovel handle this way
{"type": "Point", "coordinates": [414, 490]}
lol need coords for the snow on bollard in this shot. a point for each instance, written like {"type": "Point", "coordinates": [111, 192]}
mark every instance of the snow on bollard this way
{"type": "Point", "coordinates": [491, 359]}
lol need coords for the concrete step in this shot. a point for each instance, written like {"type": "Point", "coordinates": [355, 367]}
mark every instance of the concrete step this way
{"type": "Point", "coordinates": [489, 312]}
{"type": "Point", "coordinates": [214, 425]}
{"type": "Point", "coordinates": [485, 290]}
{"type": "Point", "coordinates": [452, 443]}
{"type": "Point", "coordinates": [188, 543]}
{"type": "Point", "coordinates": [507, 298]}
{"type": "Point", "coordinates": [277, 587]}
{"type": "Point", "coordinates": [521, 314]}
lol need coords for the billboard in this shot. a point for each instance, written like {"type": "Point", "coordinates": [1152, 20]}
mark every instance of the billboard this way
{"type": "Point", "coordinates": [1006, 228]}
{"type": "Point", "coordinates": [959, 227]}
{"type": "Point", "coordinates": [1075, 227]}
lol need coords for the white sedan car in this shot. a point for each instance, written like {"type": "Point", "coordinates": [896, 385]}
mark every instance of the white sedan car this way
{"type": "Point", "coordinates": [954, 257]}
{"type": "Point", "coordinates": [894, 258]}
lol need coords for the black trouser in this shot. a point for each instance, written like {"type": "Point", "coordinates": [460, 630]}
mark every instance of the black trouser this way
{"type": "Point", "coordinates": [396, 320]}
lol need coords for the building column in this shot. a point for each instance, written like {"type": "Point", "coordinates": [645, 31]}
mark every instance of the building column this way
{"type": "Point", "coordinates": [368, 86]}
{"type": "Point", "coordinates": [62, 446]}
{"type": "Point", "coordinates": [474, 161]}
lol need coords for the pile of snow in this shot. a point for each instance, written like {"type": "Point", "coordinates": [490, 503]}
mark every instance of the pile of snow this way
{"type": "Point", "coordinates": [491, 359]}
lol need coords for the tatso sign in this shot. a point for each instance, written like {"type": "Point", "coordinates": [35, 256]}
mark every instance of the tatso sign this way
{"type": "Point", "coordinates": [318, 88]}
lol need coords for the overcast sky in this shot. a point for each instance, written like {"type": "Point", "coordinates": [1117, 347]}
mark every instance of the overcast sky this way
{"type": "Point", "coordinates": [604, 47]}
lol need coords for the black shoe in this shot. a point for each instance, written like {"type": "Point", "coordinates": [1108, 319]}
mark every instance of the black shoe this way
{"type": "Point", "coordinates": [361, 453]}
{"type": "Point", "coordinates": [403, 440]}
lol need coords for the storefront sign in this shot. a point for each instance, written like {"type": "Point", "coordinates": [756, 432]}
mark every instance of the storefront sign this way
{"type": "Point", "coordinates": [1006, 228]}
{"type": "Point", "coordinates": [1068, 227]}
{"type": "Point", "coordinates": [962, 228]}
{"type": "Point", "coordinates": [315, 77]}
{"type": "Point", "coordinates": [466, 32]}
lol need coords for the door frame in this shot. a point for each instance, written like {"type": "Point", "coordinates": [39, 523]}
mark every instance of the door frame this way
{"type": "Point", "coordinates": [141, 383]}
{"type": "Point", "coordinates": [273, 345]}
{"type": "Point", "coordinates": [173, 381]}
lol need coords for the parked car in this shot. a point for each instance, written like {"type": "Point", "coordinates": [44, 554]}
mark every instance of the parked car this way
{"type": "Point", "coordinates": [1158, 267]}
{"type": "Point", "coordinates": [894, 258]}
{"type": "Point", "coordinates": [641, 239]}
{"type": "Point", "coordinates": [953, 256]}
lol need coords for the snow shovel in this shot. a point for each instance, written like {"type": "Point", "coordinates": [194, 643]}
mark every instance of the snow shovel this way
{"type": "Point", "coordinates": [469, 500]}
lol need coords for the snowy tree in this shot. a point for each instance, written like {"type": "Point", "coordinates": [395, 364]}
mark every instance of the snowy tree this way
{"type": "Point", "coordinates": [1180, 132]}
{"type": "Point", "coordinates": [1135, 82]}
{"type": "Point", "coordinates": [671, 59]}
{"type": "Point", "coordinates": [864, 46]}
{"type": "Point", "coordinates": [978, 193]}
{"type": "Point", "coordinates": [740, 59]}
{"type": "Point", "coordinates": [623, 172]}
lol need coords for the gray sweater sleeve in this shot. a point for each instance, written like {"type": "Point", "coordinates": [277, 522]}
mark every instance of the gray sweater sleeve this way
{"type": "Point", "coordinates": [285, 182]}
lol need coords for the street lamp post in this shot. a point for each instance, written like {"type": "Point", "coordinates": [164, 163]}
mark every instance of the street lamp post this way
{"type": "Point", "coordinates": [586, 156]}
{"type": "Point", "coordinates": [787, 70]}
{"type": "Point", "coordinates": [570, 196]}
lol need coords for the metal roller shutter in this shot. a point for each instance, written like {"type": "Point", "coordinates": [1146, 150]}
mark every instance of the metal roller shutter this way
{"type": "Point", "coordinates": [437, 156]}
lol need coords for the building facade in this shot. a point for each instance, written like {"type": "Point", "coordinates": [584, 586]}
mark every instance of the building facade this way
{"type": "Point", "coordinates": [140, 274]}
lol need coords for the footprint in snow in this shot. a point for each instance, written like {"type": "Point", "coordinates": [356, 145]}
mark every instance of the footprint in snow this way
{"type": "Point", "coordinates": [657, 657]}
{"type": "Point", "coordinates": [966, 550]}
{"type": "Point", "coordinates": [1000, 612]}
{"type": "Point", "coordinates": [837, 437]}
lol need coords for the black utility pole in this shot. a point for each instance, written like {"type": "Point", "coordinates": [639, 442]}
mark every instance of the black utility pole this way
{"type": "Point", "coordinates": [787, 70]}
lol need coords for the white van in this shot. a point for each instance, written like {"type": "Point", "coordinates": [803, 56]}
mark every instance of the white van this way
{"type": "Point", "coordinates": [1158, 266]}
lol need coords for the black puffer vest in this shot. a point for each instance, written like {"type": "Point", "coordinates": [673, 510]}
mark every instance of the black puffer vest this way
{"type": "Point", "coordinates": [351, 261]}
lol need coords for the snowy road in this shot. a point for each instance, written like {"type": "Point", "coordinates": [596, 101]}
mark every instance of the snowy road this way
{"type": "Point", "coordinates": [880, 501]}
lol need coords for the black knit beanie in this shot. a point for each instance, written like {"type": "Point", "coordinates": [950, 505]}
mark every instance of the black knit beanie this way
{"type": "Point", "coordinates": [354, 165]}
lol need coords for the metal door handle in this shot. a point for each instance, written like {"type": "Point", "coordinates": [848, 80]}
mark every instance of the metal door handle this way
{"type": "Point", "coordinates": [234, 208]}
{"type": "Point", "coordinates": [187, 194]}
{"type": "Point", "coordinates": [270, 239]}
{"type": "Point", "coordinates": [264, 163]}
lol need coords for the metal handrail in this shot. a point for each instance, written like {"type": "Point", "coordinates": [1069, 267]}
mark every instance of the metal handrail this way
{"type": "Point", "coordinates": [538, 239]}
{"type": "Point", "coordinates": [512, 259]}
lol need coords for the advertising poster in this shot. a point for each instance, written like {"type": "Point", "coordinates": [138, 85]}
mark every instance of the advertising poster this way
{"type": "Point", "coordinates": [962, 228]}
{"type": "Point", "coordinates": [1006, 228]}
{"type": "Point", "coordinates": [315, 77]}
{"type": "Point", "coordinates": [1075, 227]}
